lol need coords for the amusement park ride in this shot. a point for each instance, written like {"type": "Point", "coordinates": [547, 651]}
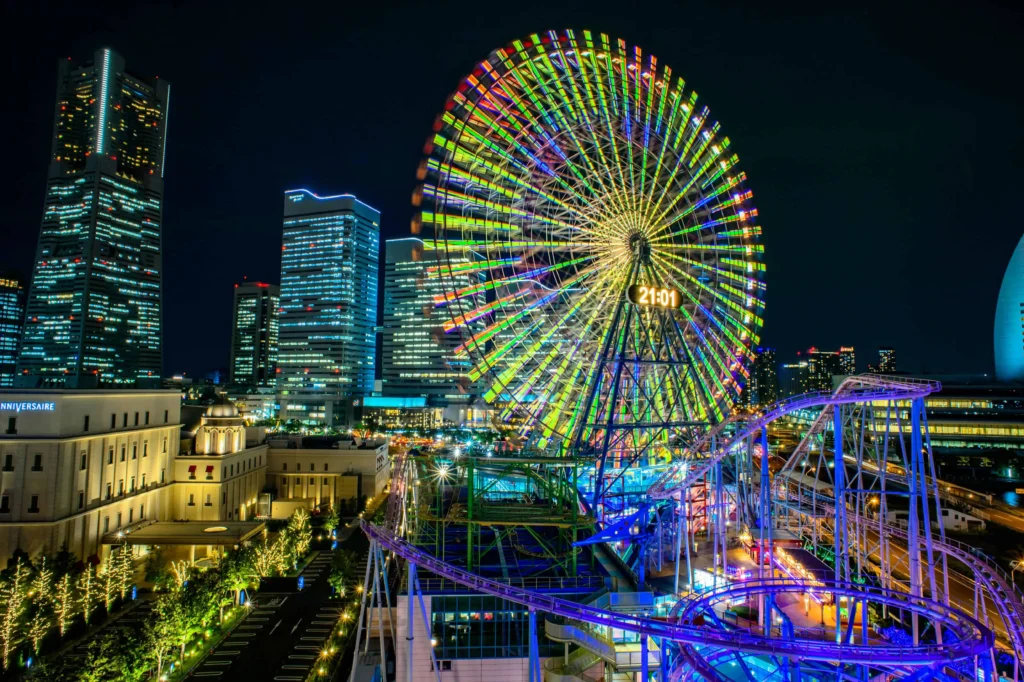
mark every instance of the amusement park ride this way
{"type": "Point", "coordinates": [615, 296]}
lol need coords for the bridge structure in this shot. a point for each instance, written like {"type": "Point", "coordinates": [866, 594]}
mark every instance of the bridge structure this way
{"type": "Point", "coordinates": [900, 600]}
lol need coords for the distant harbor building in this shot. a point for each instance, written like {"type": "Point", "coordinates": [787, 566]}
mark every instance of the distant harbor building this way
{"type": "Point", "coordinates": [847, 361]}
{"type": "Point", "coordinates": [1009, 324]}
{"type": "Point", "coordinates": [12, 316]}
{"type": "Point", "coordinates": [887, 360]}
{"type": "Point", "coordinates": [763, 385]}
{"type": "Point", "coordinates": [94, 311]}
{"type": "Point", "coordinates": [794, 379]}
{"type": "Point", "coordinates": [821, 366]}
{"type": "Point", "coordinates": [254, 337]}
{"type": "Point", "coordinates": [329, 271]}
{"type": "Point", "coordinates": [418, 354]}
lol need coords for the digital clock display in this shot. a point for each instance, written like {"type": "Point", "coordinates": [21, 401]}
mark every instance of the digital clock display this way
{"type": "Point", "coordinates": [654, 296]}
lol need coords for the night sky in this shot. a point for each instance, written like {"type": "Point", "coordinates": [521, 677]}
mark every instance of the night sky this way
{"type": "Point", "coordinates": [883, 142]}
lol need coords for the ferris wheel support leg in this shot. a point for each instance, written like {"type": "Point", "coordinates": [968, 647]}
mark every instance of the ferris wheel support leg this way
{"type": "Point", "coordinates": [679, 543]}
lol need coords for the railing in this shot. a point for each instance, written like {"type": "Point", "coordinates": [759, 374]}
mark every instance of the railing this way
{"type": "Point", "coordinates": [976, 643]}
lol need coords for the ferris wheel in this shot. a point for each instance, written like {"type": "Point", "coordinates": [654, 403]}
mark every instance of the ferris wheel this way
{"type": "Point", "coordinates": [595, 243]}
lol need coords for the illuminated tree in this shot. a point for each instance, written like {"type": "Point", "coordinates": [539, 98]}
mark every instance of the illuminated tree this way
{"type": "Point", "coordinates": [300, 534]}
{"type": "Point", "coordinates": [87, 593]}
{"type": "Point", "coordinates": [108, 582]}
{"type": "Point", "coordinates": [270, 558]}
{"type": "Point", "coordinates": [64, 607]}
{"type": "Point", "coordinates": [42, 605]}
{"type": "Point", "coordinates": [125, 570]}
{"type": "Point", "coordinates": [180, 571]}
{"type": "Point", "coordinates": [332, 518]}
{"type": "Point", "coordinates": [13, 598]}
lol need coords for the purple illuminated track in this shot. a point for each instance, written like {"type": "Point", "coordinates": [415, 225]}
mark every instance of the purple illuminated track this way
{"type": "Point", "coordinates": [974, 638]}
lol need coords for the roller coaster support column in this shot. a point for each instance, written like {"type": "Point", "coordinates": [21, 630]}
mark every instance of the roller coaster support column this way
{"type": "Point", "coordinates": [362, 614]}
{"type": "Point", "coordinates": [535, 675]}
{"type": "Point", "coordinates": [410, 628]}
{"type": "Point", "coordinates": [644, 666]}
{"type": "Point", "coordinates": [920, 479]}
{"type": "Point", "coordinates": [840, 527]}
{"type": "Point", "coordinates": [765, 523]}
{"type": "Point", "coordinates": [913, 520]}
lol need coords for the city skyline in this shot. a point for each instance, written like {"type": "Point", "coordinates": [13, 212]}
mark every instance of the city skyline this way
{"type": "Point", "coordinates": [810, 159]}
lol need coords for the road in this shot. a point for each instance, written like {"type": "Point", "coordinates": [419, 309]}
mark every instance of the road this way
{"type": "Point", "coordinates": [282, 638]}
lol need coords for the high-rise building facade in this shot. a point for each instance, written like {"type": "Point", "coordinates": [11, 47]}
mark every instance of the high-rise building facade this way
{"type": "Point", "coordinates": [821, 366]}
{"type": "Point", "coordinates": [418, 358]}
{"type": "Point", "coordinates": [794, 379]}
{"type": "Point", "coordinates": [329, 269]}
{"type": "Point", "coordinates": [763, 385]}
{"type": "Point", "coordinates": [887, 360]}
{"type": "Point", "coordinates": [12, 316]}
{"type": "Point", "coordinates": [847, 360]}
{"type": "Point", "coordinates": [94, 309]}
{"type": "Point", "coordinates": [254, 338]}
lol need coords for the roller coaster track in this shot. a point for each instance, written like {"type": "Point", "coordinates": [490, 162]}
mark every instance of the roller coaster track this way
{"type": "Point", "coordinates": [858, 389]}
{"type": "Point", "coordinates": [974, 639]}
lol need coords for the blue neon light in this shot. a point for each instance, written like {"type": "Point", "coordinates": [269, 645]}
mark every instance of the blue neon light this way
{"type": "Point", "coordinates": [101, 125]}
{"type": "Point", "coordinates": [320, 198]}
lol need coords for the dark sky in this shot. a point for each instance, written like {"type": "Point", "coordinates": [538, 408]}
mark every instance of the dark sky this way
{"type": "Point", "coordinates": [883, 142]}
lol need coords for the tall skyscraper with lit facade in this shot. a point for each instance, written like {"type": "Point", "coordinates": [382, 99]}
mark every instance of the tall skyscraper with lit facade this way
{"type": "Point", "coordinates": [12, 316]}
{"type": "Point", "coordinates": [794, 379]}
{"type": "Point", "coordinates": [94, 309]}
{"type": "Point", "coordinates": [847, 360]}
{"type": "Point", "coordinates": [887, 360]}
{"type": "Point", "coordinates": [254, 339]}
{"type": "Point", "coordinates": [329, 270]}
{"type": "Point", "coordinates": [763, 384]}
{"type": "Point", "coordinates": [418, 358]}
{"type": "Point", "coordinates": [821, 366]}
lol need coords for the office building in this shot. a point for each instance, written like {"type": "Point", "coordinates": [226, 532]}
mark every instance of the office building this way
{"type": "Point", "coordinates": [794, 379]}
{"type": "Point", "coordinates": [255, 335]}
{"type": "Point", "coordinates": [763, 386]}
{"type": "Point", "coordinates": [12, 316]}
{"type": "Point", "coordinates": [418, 337]}
{"type": "Point", "coordinates": [847, 361]}
{"type": "Point", "coordinates": [887, 360]}
{"type": "Point", "coordinates": [1009, 324]}
{"type": "Point", "coordinates": [94, 308]}
{"type": "Point", "coordinates": [821, 366]}
{"type": "Point", "coordinates": [329, 269]}
{"type": "Point", "coordinates": [320, 476]}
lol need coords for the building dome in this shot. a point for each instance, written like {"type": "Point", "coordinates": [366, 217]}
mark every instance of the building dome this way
{"type": "Point", "coordinates": [222, 411]}
{"type": "Point", "coordinates": [1009, 326]}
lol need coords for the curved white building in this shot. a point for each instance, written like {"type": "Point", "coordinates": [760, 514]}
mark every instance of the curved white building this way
{"type": "Point", "coordinates": [1009, 326]}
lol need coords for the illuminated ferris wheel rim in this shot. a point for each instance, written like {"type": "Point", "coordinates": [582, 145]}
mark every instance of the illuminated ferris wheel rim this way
{"type": "Point", "coordinates": [563, 170]}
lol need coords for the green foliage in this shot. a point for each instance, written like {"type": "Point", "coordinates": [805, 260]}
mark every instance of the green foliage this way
{"type": "Point", "coordinates": [343, 569]}
{"type": "Point", "coordinates": [116, 654]}
{"type": "Point", "coordinates": [332, 518]}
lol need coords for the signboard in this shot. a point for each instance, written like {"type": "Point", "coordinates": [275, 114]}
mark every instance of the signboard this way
{"type": "Point", "coordinates": [8, 406]}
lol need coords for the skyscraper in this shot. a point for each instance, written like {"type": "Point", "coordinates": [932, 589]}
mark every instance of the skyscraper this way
{"type": "Point", "coordinates": [763, 385]}
{"type": "Point", "coordinates": [329, 267]}
{"type": "Point", "coordinates": [12, 315]}
{"type": "Point", "coordinates": [255, 335]}
{"type": "Point", "coordinates": [94, 309]}
{"type": "Point", "coordinates": [887, 360]}
{"type": "Point", "coordinates": [418, 354]}
{"type": "Point", "coordinates": [847, 360]}
{"type": "Point", "coordinates": [794, 379]}
{"type": "Point", "coordinates": [821, 365]}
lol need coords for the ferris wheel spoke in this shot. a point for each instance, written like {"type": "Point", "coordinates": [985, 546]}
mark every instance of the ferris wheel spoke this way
{"type": "Point", "coordinates": [566, 168]}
